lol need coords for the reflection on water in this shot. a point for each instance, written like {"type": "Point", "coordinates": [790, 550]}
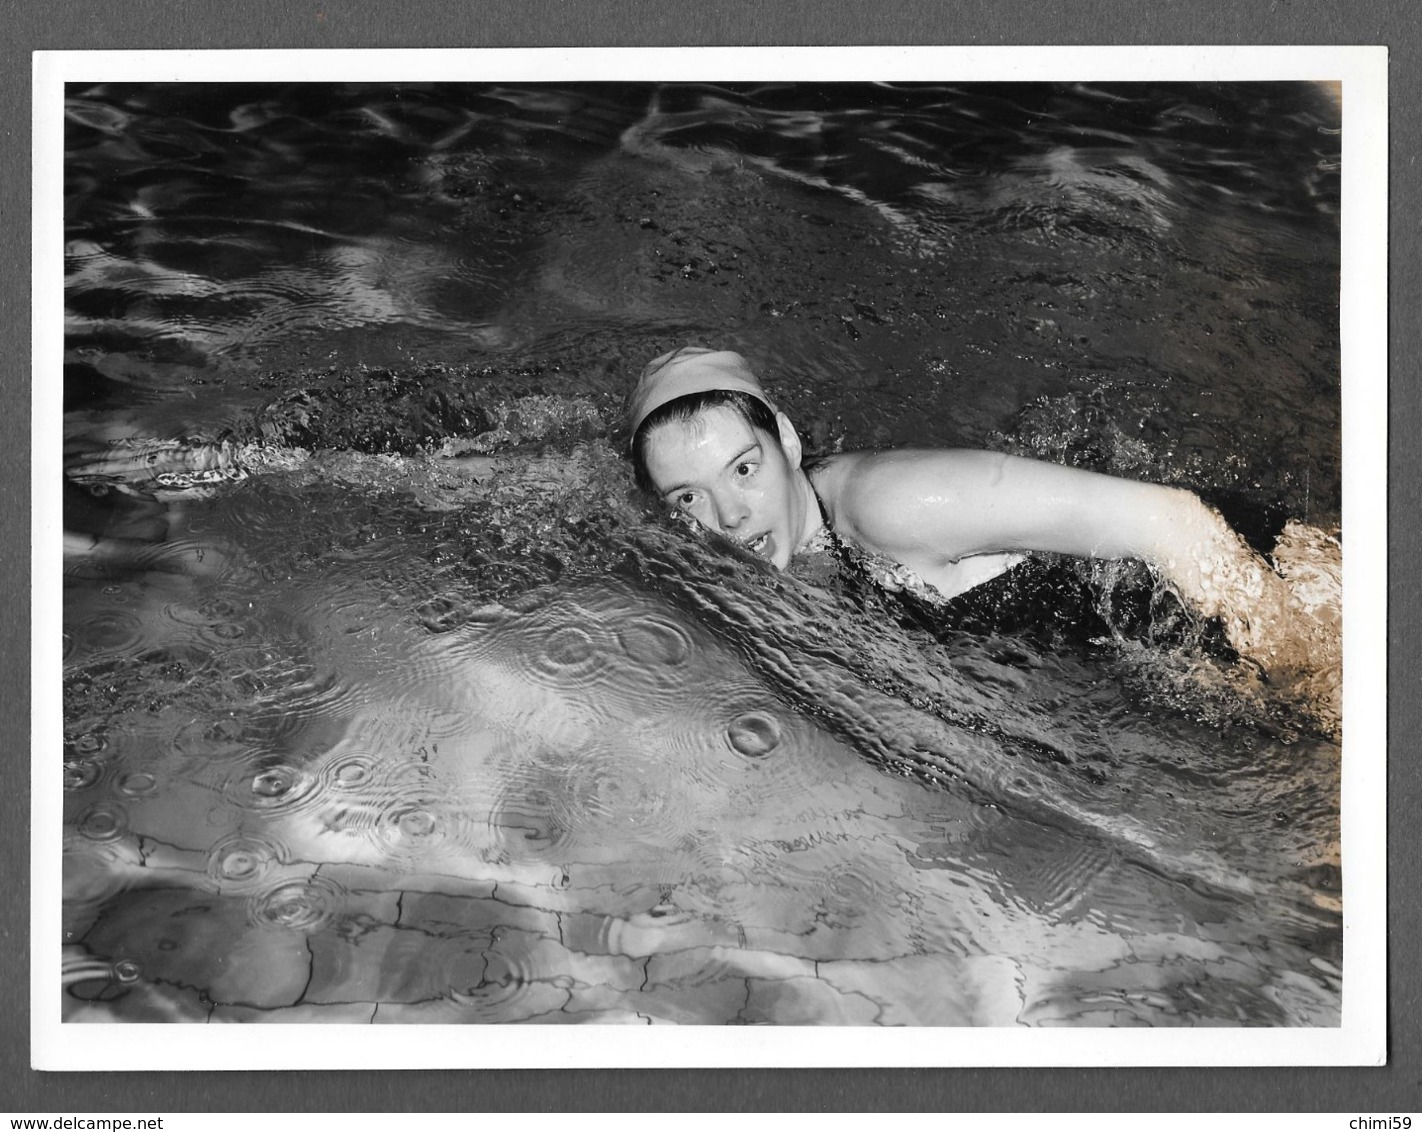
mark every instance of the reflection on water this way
{"type": "Point", "coordinates": [408, 712]}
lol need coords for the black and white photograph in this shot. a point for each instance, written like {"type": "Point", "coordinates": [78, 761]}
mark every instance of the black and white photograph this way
{"type": "Point", "coordinates": [842, 552]}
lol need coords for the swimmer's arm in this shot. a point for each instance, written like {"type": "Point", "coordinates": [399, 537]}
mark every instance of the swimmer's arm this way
{"type": "Point", "coordinates": [932, 509]}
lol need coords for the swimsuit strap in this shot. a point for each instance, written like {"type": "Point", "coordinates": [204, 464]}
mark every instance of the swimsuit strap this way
{"type": "Point", "coordinates": [825, 527]}
{"type": "Point", "coordinates": [879, 570]}
{"type": "Point", "coordinates": [823, 556]}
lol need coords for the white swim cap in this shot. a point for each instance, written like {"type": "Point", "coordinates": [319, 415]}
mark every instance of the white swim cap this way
{"type": "Point", "coordinates": [690, 369]}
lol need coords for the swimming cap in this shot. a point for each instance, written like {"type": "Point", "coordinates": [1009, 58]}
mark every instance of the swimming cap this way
{"type": "Point", "coordinates": [689, 370]}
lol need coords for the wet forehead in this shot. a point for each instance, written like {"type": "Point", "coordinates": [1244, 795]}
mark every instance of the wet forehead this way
{"type": "Point", "coordinates": [686, 452]}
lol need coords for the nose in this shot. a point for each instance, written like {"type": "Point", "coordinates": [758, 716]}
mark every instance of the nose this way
{"type": "Point", "coordinates": [731, 511]}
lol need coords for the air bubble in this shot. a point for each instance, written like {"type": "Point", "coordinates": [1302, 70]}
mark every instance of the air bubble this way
{"type": "Point", "coordinates": [242, 859]}
{"type": "Point", "coordinates": [80, 774]}
{"type": "Point", "coordinates": [239, 865]}
{"type": "Point", "coordinates": [524, 821]}
{"type": "Point", "coordinates": [138, 784]}
{"type": "Point", "coordinates": [655, 642]}
{"type": "Point", "coordinates": [351, 773]}
{"type": "Point", "coordinates": [416, 823]}
{"type": "Point", "coordinates": [413, 828]}
{"type": "Point", "coordinates": [103, 821]}
{"type": "Point", "coordinates": [754, 734]}
{"type": "Point", "coordinates": [273, 783]}
{"type": "Point", "coordinates": [277, 788]}
{"type": "Point", "coordinates": [568, 657]}
{"type": "Point", "coordinates": [569, 647]}
{"type": "Point", "coordinates": [90, 744]}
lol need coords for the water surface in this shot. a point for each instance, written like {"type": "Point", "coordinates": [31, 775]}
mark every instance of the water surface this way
{"type": "Point", "coordinates": [427, 718]}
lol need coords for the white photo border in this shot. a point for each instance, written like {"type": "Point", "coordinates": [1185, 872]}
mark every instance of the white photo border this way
{"type": "Point", "coordinates": [1361, 75]}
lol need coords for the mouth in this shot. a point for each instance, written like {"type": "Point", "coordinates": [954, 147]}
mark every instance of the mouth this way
{"type": "Point", "coordinates": [760, 545]}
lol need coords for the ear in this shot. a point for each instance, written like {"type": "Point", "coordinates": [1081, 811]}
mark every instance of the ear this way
{"type": "Point", "coordinates": [789, 438]}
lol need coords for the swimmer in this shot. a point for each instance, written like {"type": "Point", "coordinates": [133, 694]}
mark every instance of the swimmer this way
{"type": "Point", "coordinates": [708, 441]}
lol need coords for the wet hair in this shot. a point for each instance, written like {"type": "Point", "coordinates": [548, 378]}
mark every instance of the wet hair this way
{"type": "Point", "coordinates": [750, 408]}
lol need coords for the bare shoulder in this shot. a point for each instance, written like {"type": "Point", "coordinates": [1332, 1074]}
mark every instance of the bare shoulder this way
{"type": "Point", "coordinates": [881, 499]}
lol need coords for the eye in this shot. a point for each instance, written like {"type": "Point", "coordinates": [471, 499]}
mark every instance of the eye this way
{"type": "Point", "coordinates": [745, 468]}
{"type": "Point", "coordinates": [685, 500]}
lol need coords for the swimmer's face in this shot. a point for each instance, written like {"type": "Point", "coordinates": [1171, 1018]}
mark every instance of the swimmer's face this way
{"type": "Point", "coordinates": [732, 478]}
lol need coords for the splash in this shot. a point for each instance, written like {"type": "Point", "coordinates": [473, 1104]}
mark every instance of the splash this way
{"type": "Point", "coordinates": [964, 721]}
{"type": "Point", "coordinates": [991, 731]}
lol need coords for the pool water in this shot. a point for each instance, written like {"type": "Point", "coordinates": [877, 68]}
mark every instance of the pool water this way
{"type": "Point", "coordinates": [414, 712]}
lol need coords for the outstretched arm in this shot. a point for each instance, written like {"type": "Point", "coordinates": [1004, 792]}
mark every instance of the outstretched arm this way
{"type": "Point", "coordinates": [931, 509]}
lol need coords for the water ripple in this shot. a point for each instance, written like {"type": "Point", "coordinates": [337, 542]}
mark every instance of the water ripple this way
{"type": "Point", "coordinates": [417, 818]}
{"type": "Point", "coordinates": [656, 641]}
{"type": "Point", "coordinates": [403, 809]}
{"type": "Point", "coordinates": [95, 871]}
{"type": "Point", "coordinates": [136, 784]}
{"type": "Point", "coordinates": [525, 821]}
{"type": "Point", "coordinates": [652, 734]}
{"type": "Point", "coordinates": [242, 861]}
{"type": "Point", "coordinates": [299, 905]}
{"type": "Point", "coordinates": [81, 774]}
{"type": "Point", "coordinates": [515, 979]}
{"type": "Point", "coordinates": [213, 741]}
{"type": "Point", "coordinates": [103, 821]}
{"type": "Point", "coordinates": [454, 966]}
{"type": "Point", "coordinates": [113, 632]}
{"type": "Point", "coordinates": [273, 788]}
{"type": "Point", "coordinates": [754, 734]}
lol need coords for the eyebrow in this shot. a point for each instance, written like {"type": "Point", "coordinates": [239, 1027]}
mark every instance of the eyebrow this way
{"type": "Point", "coordinates": [736, 459]}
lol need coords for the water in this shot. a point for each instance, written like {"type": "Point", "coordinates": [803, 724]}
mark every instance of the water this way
{"type": "Point", "coordinates": [411, 711]}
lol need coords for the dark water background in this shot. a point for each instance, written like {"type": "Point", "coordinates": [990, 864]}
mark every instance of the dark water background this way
{"type": "Point", "coordinates": [352, 739]}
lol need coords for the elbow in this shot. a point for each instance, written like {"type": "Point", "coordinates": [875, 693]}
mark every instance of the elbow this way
{"type": "Point", "coordinates": [1162, 525]}
{"type": "Point", "coordinates": [1190, 534]}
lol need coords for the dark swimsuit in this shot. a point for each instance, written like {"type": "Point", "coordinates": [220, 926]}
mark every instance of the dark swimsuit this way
{"type": "Point", "coordinates": [826, 553]}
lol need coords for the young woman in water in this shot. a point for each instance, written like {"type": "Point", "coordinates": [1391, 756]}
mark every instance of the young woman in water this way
{"type": "Point", "coordinates": [709, 442]}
